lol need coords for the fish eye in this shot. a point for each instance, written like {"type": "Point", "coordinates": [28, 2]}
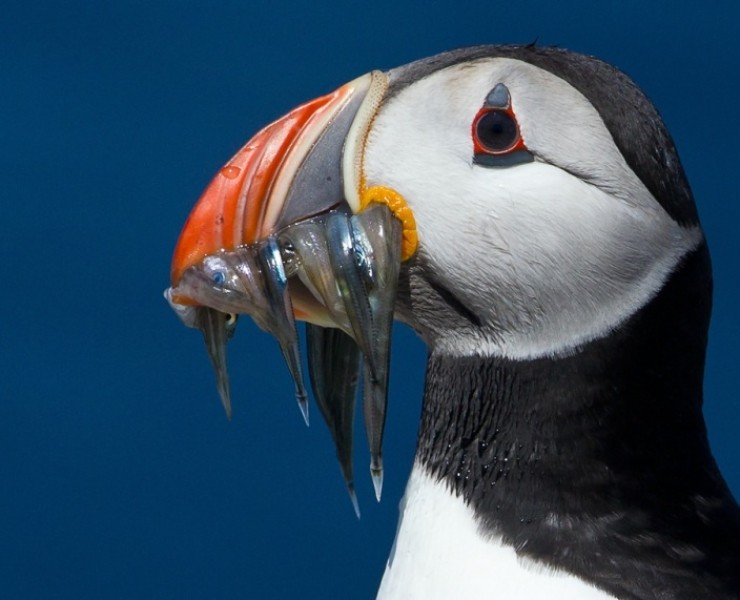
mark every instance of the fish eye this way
{"type": "Point", "coordinates": [216, 269]}
{"type": "Point", "coordinates": [231, 319]}
{"type": "Point", "coordinates": [218, 277]}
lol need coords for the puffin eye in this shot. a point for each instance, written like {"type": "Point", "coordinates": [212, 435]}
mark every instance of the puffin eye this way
{"type": "Point", "coordinates": [496, 132]}
{"type": "Point", "coordinates": [497, 141]}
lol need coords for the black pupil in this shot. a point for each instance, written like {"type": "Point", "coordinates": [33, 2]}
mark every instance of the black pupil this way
{"type": "Point", "coordinates": [497, 131]}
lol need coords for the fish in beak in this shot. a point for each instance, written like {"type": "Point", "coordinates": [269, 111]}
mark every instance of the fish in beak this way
{"type": "Point", "coordinates": [286, 231]}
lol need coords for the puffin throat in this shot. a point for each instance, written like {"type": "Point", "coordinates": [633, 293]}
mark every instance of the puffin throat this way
{"type": "Point", "coordinates": [555, 455]}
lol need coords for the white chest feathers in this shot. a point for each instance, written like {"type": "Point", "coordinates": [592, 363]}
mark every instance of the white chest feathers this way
{"type": "Point", "coordinates": [439, 554]}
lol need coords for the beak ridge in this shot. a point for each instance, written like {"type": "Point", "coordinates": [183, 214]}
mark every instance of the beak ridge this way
{"type": "Point", "coordinates": [291, 170]}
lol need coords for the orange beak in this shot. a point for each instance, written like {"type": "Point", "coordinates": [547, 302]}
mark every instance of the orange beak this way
{"type": "Point", "coordinates": [291, 170]}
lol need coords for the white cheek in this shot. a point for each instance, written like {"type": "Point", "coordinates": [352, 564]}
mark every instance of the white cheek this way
{"type": "Point", "coordinates": [550, 261]}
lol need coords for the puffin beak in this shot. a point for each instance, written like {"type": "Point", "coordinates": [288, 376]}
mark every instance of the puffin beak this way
{"type": "Point", "coordinates": [288, 230]}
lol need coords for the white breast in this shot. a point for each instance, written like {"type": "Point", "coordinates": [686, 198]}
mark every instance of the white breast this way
{"type": "Point", "coordinates": [439, 554]}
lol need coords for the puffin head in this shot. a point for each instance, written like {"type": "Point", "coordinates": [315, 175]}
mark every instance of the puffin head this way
{"type": "Point", "coordinates": [549, 201]}
{"type": "Point", "coordinates": [507, 201]}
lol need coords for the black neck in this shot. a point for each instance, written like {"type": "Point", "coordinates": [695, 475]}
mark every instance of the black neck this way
{"type": "Point", "coordinates": [597, 463]}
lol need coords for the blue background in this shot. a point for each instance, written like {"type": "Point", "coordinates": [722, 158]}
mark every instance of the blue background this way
{"type": "Point", "coordinates": [121, 476]}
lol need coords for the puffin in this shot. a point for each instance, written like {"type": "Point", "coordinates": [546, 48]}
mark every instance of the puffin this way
{"type": "Point", "coordinates": [525, 211]}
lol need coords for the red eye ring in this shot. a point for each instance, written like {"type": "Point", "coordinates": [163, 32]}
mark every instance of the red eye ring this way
{"type": "Point", "coordinates": [496, 132]}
